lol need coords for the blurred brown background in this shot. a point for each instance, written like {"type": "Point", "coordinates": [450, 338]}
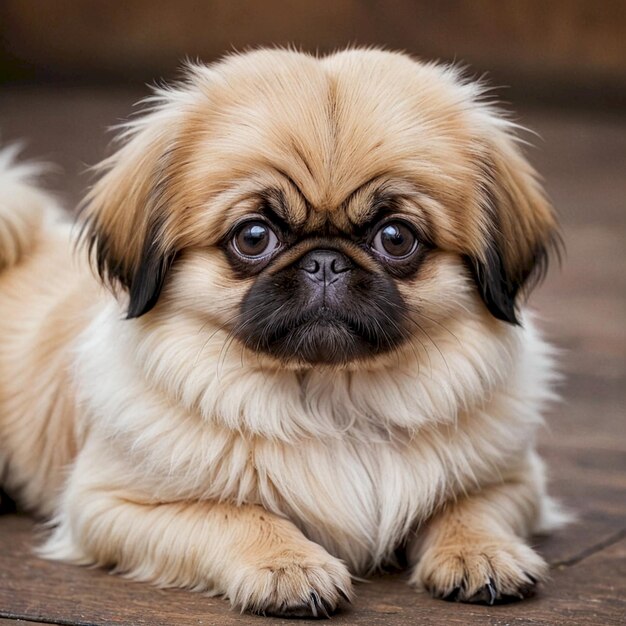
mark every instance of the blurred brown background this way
{"type": "Point", "coordinates": [69, 69]}
{"type": "Point", "coordinates": [552, 49]}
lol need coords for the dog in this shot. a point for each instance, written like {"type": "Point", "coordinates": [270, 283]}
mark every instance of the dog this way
{"type": "Point", "coordinates": [288, 338]}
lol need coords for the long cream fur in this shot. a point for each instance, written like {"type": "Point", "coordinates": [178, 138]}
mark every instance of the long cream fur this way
{"type": "Point", "coordinates": [160, 447]}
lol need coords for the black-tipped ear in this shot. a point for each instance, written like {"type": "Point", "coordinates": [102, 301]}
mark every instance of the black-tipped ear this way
{"type": "Point", "coordinates": [146, 284]}
{"type": "Point", "coordinates": [521, 231]}
{"type": "Point", "coordinates": [496, 291]}
{"type": "Point", "coordinates": [500, 287]}
{"type": "Point", "coordinates": [124, 214]}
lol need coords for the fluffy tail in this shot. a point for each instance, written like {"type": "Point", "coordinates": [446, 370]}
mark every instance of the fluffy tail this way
{"type": "Point", "coordinates": [22, 207]}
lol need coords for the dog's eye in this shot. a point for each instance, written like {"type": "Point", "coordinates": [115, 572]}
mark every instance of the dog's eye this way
{"type": "Point", "coordinates": [394, 240]}
{"type": "Point", "coordinates": [254, 239]}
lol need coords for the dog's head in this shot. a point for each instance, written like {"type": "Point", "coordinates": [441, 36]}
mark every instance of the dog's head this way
{"type": "Point", "coordinates": [320, 209]}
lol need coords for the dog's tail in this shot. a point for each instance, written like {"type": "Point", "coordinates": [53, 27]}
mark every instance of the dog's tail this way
{"type": "Point", "coordinates": [22, 207]}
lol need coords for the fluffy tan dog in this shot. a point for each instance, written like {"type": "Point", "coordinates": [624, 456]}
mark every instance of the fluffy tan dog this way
{"type": "Point", "coordinates": [308, 351]}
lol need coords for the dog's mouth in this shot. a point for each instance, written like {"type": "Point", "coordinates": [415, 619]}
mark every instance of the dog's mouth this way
{"type": "Point", "coordinates": [324, 336]}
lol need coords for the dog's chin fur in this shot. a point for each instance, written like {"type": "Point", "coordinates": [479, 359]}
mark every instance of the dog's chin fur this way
{"type": "Point", "coordinates": [141, 413]}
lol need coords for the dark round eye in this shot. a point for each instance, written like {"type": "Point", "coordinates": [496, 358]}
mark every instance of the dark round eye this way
{"type": "Point", "coordinates": [394, 240]}
{"type": "Point", "coordinates": [254, 239]}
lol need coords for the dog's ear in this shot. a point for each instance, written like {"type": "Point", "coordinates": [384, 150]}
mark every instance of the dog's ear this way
{"type": "Point", "coordinates": [520, 231]}
{"type": "Point", "coordinates": [124, 214]}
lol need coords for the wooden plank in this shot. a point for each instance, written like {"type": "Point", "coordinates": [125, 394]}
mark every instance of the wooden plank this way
{"type": "Point", "coordinates": [591, 591]}
{"type": "Point", "coordinates": [17, 622]}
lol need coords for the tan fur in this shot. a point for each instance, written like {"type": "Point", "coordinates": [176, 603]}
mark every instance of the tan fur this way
{"type": "Point", "coordinates": [474, 540]}
{"type": "Point", "coordinates": [47, 299]}
{"type": "Point", "coordinates": [22, 207]}
{"type": "Point", "coordinates": [194, 461]}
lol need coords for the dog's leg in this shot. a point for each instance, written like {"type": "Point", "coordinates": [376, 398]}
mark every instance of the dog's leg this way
{"type": "Point", "coordinates": [259, 560]}
{"type": "Point", "coordinates": [473, 550]}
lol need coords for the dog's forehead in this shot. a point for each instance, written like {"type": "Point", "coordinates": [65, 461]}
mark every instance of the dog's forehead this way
{"type": "Point", "coordinates": [330, 126]}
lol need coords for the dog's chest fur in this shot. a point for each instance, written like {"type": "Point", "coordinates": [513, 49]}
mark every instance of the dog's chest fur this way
{"type": "Point", "coordinates": [381, 452]}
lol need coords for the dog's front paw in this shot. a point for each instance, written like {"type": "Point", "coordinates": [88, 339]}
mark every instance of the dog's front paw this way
{"type": "Point", "coordinates": [480, 570]}
{"type": "Point", "coordinates": [292, 583]}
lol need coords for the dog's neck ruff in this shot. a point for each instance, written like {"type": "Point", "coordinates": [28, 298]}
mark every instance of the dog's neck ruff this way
{"type": "Point", "coordinates": [221, 386]}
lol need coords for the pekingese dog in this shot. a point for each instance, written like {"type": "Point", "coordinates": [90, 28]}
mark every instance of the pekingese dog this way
{"type": "Point", "coordinates": [304, 348]}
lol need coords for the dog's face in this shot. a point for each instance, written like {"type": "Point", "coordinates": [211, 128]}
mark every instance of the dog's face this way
{"type": "Point", "coordinates": [320, 211]}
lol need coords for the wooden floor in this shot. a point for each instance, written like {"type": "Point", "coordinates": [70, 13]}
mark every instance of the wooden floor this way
{"type": "Point", "coordinates": [582, 309]}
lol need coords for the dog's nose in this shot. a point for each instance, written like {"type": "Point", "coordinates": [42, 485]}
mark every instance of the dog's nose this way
{"type": "Point", "coordinates": [325, 266]}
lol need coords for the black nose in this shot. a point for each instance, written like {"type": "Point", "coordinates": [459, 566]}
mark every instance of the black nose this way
{"type": "Point", "coordinates": [325, 266]}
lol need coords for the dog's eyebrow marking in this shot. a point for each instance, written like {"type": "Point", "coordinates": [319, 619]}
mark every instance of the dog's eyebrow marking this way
{"type": "Point", "coordinates": [376, 211]}
{"type": "Point", "coordinates": [293, 183]}
{"type": "Point", "coordinates": [275, 207]}
{"type": "Point", "coordinates": [378, 204]}
{"type": "Point", "coordinates": [356, 190]}
{"type": "Point", "coordinates": [372, 209]}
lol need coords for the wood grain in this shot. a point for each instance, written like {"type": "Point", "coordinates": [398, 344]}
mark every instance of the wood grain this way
{"type": "Point", "coordinates": [583, 310]}
{"type": "Point", "coordinates": [17, 622]}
